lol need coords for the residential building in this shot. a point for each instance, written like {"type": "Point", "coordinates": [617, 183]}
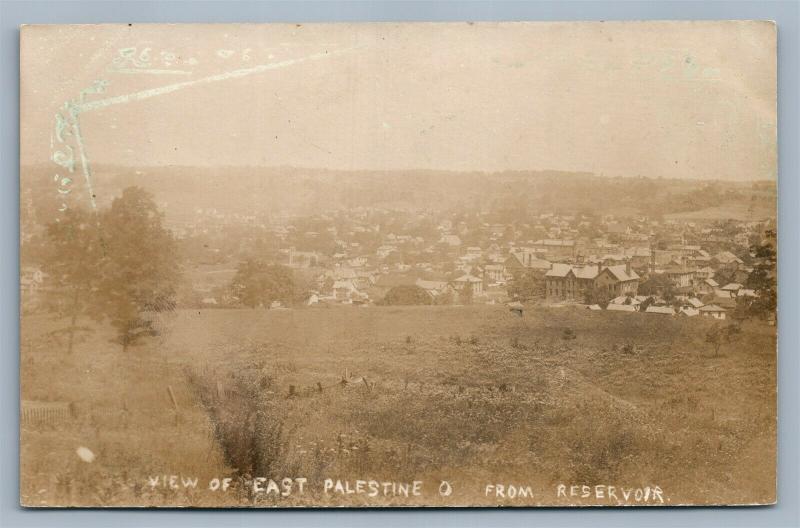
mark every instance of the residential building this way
{"type": "Point", "coordinates": [712, 310]}
{"type": "Point", "coordinates": [468, 281]}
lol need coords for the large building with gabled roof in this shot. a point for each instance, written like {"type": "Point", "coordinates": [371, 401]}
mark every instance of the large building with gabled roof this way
{"type": "Point", "coordinates": [565, 282]}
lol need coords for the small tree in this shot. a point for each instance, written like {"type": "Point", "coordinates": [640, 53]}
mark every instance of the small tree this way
{"type": "Point", "coordinates": [719, 335]}
{"type": "Point", "coordinates": [714, 338]}
{"type": "Point", "coordinates": [466, 294]}
{"type": "Point", "coordinates": [72, 265]}
{"type": "Point", "coordinates": [646, 304]}
{"type": "Point", "coordinates": [597, 296]}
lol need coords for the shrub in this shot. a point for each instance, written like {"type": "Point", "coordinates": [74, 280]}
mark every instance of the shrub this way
{"type": "Point", "coordinates": [407, 295]}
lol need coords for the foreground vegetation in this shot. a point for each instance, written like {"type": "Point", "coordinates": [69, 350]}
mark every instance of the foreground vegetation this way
{"type": "Point", "coordinates": [473, 395]}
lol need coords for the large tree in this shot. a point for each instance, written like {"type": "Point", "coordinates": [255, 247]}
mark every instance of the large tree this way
{"type": "Point", "coordinates": [658, 284]}
{"type": "Point", "coordinates": [527, 285]}
{"type": "Point", "coordinates": [763, 280]}
{"type": "Point", "coordinates": [71, 260]}
{"type": "Point", "coordinates": [407, 295]}
{"type": "Point", "coordinates": [258, 283]}
{"type": "Point", "coordinates": [139, 265]}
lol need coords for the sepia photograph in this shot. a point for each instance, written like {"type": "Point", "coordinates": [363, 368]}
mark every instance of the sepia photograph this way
{"type": "Point", "coordinates": [473, 264]}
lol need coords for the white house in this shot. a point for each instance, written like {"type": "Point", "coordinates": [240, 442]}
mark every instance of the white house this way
{"type": "Point", "coordinates": [712, 310]}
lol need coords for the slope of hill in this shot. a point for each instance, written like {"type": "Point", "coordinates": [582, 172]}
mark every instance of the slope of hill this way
{"type": "Point", "coordinates": [260, 191]}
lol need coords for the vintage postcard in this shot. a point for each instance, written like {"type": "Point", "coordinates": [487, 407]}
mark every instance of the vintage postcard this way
{"type": "Point", "coordinates": [398, 264]}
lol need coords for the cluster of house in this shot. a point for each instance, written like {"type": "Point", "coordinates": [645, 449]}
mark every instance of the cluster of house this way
{"type": "Point", "coordinates": [696, 290]}
{"type": "Point", "coordinates": [683, 305]}
{"type": "Point", "coordinates": [569, 270]}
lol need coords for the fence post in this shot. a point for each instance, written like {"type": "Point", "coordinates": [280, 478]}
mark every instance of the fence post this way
{"type": "Point", "coordinates": [174, 404]}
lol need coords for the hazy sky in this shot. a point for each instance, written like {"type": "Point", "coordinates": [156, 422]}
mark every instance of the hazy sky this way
{"type": "Point", "coordinates": [677, 99]}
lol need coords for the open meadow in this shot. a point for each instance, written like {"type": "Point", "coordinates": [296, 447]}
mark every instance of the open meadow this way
{"type": "Point", "coordinates": [469, 394]}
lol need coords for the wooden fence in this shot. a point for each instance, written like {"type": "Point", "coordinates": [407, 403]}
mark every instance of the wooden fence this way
{"type": "Point", "coordinates": [49, 413]}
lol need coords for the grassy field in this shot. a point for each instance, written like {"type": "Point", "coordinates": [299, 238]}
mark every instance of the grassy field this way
{"type": "Point", "coordinates": [742, 211]}
{"type": "Point", "coordinates": [472, 395]}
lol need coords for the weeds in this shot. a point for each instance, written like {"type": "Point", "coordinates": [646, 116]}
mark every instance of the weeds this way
{"type": "Point", "coordinates": [248, 421]}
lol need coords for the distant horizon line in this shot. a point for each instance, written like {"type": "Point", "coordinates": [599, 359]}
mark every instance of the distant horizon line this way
{"type": "Point", "coordinates": [396, 170]}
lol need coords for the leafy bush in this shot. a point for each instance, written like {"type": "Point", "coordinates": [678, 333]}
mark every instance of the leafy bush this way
{"type": "Point", "coordinates": [407, 295]}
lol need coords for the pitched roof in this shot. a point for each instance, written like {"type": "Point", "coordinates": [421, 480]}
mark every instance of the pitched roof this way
{"type": "Point", "coordinates": [558, 270]}
{"type": "Point", "coordinates": [727, 257]}
{"type": "Point", "coordinates": [660, 310]}
{"type": "Point", "coordinates": [690, 312]}
{"type": "Point", "coordinates": [620, 272]}
{"type": "Point", "coordinates": [621, 307]}
{"type": "Point", "coordinates": [431, 285]}
{"type": "Point", "coordinates": [695, 302]}
{"type": "Point", "coordinates": [590, 271]}
{"type": "Point", "coordinates": [586, 272]}
{"type": "Point", "coordinates": [468, 278]}
{"type": "Point", "coordinates": [712, 308]}
{"type": "Point", "coordinates": [537, 263]}
{"type": "Point", "coordinates": [625, 300]}
{"type": "Point", "coordinates": [554, 242]}
{"type": "Point", "coordinates": [516, 257]}
{"type": "Point", "coordinates": [732, 286]}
